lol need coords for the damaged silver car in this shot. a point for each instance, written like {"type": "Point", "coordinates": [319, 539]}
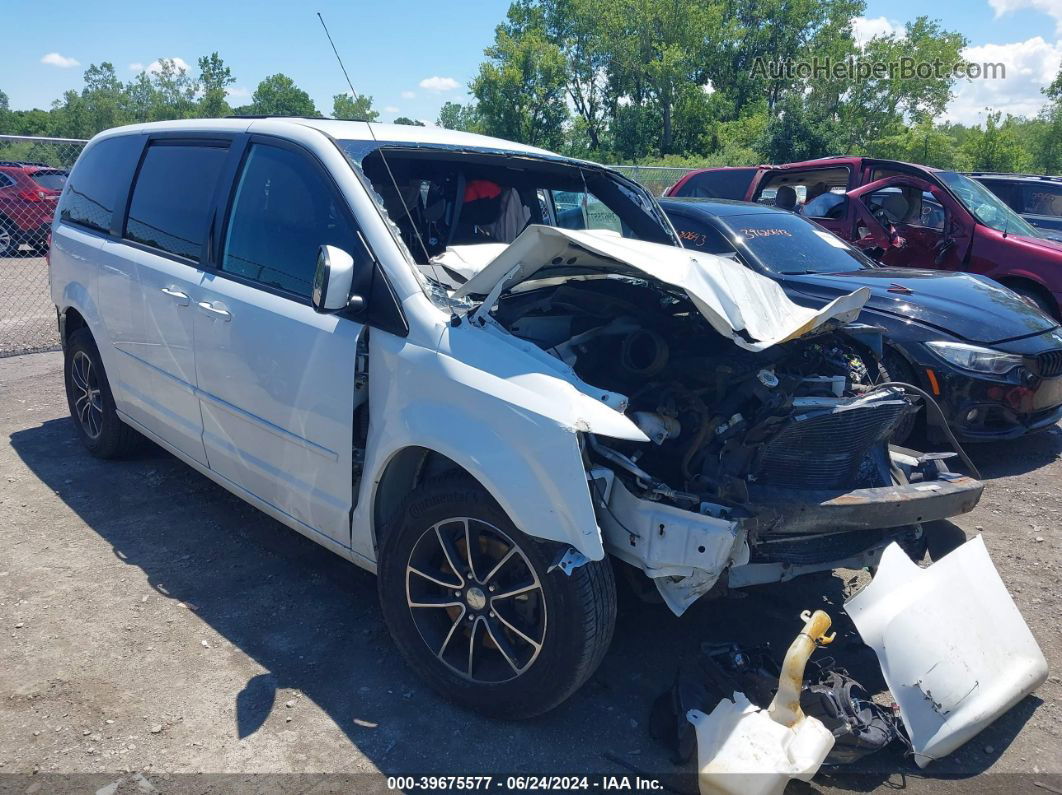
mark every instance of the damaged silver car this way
{"type": "Point", "coordinates": [475, 368]}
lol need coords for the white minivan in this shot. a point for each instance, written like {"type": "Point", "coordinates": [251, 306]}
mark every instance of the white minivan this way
{"type": "Point", "coordinates": [475, 368]}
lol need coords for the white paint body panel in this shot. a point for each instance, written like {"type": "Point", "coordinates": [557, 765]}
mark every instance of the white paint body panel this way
{"type": "Point", "coordinates": [751, 310]}
{"type": "Point", "coordinates": [276, 391]}
{"type": "Point", "coordinates": [954, 649]}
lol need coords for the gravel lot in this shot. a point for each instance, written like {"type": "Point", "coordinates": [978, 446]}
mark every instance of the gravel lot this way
{"type": "Point", "coordinates": [27, 315]}
{"type": "Point", "coordinates": [154, 626]}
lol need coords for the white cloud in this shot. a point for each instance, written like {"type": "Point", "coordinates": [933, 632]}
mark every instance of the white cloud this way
{"type": "Point", "coordinates": [237, 92]}
{"type": "Point", "coordinates": [55, 59]}
{"type": "Point", "coordinates": [439, 85]}
{"type": "Point", "coordinates": [866, 28]}
{"type": "Point", "coordinates": [390, 109]}
{"type": "Point", "coordinates": [1030, 65]}
{"type": "Point", "coordinates": [408, 94]}
{"type": "Point", "coordinates": [180, 63]}
{"type": "Point", "coordinates": [136, 66]}
{"type": "Point", "coordinates": [1053, 8]}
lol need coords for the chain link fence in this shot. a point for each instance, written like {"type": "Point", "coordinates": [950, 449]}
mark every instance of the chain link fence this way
{"type": "Point", "coordinates": [32, 174]}
{"type": "Point", "coordinates": [655, 179]}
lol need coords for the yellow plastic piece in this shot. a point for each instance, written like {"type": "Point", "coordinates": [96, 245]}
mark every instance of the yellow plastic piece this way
{"type": "Point", "coordinates": [785, 708]}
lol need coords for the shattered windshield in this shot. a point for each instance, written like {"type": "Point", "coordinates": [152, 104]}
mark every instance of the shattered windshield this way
{"type": "Point", "coordinates": [986, 207]}
{"type": "Point", "coordinates": [439, 197]}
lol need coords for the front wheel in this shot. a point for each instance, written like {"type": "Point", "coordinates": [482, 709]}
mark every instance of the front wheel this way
{"type": "Point", "coordinates": [474, 609]}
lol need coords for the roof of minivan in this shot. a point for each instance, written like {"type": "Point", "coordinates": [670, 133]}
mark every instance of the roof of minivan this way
{"type": "Point", "coordinates": [341, 130]}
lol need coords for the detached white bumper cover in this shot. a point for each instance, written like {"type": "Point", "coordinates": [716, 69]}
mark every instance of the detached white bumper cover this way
{"type": "Point", "coordinates": [750, 309]}
{"type": "Point", "coordinates": [953, 647]}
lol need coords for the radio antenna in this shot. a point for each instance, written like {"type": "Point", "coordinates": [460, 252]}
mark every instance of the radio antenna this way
{"type": "Point", "coordinates": [383, 157]}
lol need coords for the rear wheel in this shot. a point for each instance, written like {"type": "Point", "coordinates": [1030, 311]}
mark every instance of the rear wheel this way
{"type": "Point", "coordinates": [474, 609]}
{"type": "Point", "coordinates": [91, 404]}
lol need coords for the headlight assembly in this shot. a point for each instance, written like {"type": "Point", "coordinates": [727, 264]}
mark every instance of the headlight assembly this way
{"type": "Point", "coordinates": [974, 357]}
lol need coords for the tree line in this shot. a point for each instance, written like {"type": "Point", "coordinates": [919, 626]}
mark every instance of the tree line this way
{"type": "Point", "coordinates": [679, 82]}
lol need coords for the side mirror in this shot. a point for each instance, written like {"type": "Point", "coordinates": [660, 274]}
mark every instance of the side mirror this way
{"type": "Point", "coordinates": [332, 280]}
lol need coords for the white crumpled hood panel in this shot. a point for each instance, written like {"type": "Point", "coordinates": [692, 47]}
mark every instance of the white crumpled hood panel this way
{"type": "Point", "coordinates": [750, 309]}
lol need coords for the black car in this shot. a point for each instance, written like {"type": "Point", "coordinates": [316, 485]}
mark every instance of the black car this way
{"type": "Point", "coordinates": [1036, 199]}
{"type": "Point", "coordinates": [992, 361]}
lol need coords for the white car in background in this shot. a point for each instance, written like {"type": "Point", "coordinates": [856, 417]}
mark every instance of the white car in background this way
{"type": "Point", "coordinates": [392, 340]}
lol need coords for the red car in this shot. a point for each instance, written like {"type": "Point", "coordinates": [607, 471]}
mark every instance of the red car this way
{"type": "Point", "coordinates": [28, 195]}
{"type": "Point", "coordinates": [904, 215]}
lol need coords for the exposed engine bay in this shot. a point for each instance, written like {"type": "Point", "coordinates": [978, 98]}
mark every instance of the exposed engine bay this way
{"type": "Point", "coordinates": [719, 417]}
{"type": "Point", "coordinates": [761, 446]}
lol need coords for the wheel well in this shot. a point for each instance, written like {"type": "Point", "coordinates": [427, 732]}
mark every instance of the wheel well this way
{"type": "Point", "coordinates": [406, 470]}
{"type": "Point", "coordinates": [72, 321]}
{"type": "Point", "coordinates": [1028, 285]}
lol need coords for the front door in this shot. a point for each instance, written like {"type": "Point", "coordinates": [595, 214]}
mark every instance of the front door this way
{"type": "Point", "coordinates": [276, 378]}
{"type": "Point", "coordinates": [910, 222]}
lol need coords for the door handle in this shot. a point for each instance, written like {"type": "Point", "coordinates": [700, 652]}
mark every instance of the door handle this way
{"type": "Point", "coordinates": [214, 312]}
{"type": "Point", "coordinates": [176, 295]}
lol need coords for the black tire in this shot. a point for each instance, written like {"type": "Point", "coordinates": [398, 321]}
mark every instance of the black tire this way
{"type": "Point", "coordinates": [577, 613]}
{"type": "Point", "coordinates": [101, 430]}
{"type": "Point", "coordinates": [10, 237]}
{"type": "Point", "coordinates": [1038, 298]}
{"type": "Point", "coordinates": [893, 367]}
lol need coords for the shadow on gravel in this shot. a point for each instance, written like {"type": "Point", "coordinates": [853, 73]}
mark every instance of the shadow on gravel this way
{"type": "Point", "coordinates": [1018, 456]}
{"type": "Point", "coordinates": [311, 620]}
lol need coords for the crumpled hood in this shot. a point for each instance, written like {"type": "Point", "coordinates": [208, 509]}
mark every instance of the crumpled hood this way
{"type": "Point", "coordinates": [972, 308]}
{"type": "Point", "coordinates": [740, 304]}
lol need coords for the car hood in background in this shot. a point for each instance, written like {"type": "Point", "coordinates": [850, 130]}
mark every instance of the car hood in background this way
{"type": "Point", "coordinates": [744, 306]}
{"type": "Point", "coordinates": [971, 307]}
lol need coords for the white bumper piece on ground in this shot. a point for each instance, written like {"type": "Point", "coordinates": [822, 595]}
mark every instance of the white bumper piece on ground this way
{"type": "Point", "coordinates": [953, 648]}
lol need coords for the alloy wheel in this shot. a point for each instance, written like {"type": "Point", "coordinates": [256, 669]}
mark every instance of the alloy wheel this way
{"type": "Point", "coordinates": [476, 600]}
{"type": "Point", "coordinates": [88, 403]}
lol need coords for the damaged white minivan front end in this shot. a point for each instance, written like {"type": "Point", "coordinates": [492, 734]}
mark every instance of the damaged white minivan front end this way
{"type": "Point", "coordinates": [743, 440]}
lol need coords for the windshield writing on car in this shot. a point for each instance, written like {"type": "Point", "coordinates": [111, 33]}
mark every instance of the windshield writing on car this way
{"type": "Point", "coordinates": [784, 243]}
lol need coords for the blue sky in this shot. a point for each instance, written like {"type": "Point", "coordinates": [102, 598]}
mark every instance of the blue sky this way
{"type": "Point", "coordinates": [413, 55]}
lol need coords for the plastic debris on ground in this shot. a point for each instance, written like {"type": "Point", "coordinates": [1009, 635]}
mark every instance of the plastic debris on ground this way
{"type": "Point", "coordinates": [952, 645]}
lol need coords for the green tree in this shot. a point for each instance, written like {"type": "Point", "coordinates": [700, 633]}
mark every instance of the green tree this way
{"type": "Point", "coordinates": [923, 142]}
{"type": "Point", "coordinates": [409, 121]}
{"type": "Point", "coordinates": [455, 116]}
{"type": "Point", "coordinates": [657, 48]}
{"type": "Point", "coordinates": [796, 133]}
{"type": "Point", "coordinates": [174, 95]}
{"type": "Point", "coordinates": [878, 106]}
{"type": "Point", "coordinates": [344, 106]}
{"type": "Point", "coordinates": [278, 95]}
{"type": "Point", "coordinates": [997, 147]}
{"type": "Point", "coordinates": [520, 88]}
{"type": "Point", "coordinates": [214, 78]}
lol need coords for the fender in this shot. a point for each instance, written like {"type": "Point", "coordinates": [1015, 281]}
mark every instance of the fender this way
{"type": "Point", "coordinates": [505, 416]}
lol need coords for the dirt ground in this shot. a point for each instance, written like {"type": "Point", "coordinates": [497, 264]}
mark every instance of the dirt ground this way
{"type": "Point", "coordinates": [154, 626]}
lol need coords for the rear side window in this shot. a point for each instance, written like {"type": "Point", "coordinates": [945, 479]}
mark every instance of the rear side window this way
{"type": "Point", "coordinates": [172, 197]}
{"type": "Point", "coordinates": [283, 210]}
{"type": "Point", "coordinates": [99, 176]}
{"type": "Point", "coordinates": [6, 181]}
{"type": "Point", "coordinates": [729, 183]}
{"type": "Point", "coordinates": [50, 180]}
{"type": "Point", "coordinates": [1042, 199]}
